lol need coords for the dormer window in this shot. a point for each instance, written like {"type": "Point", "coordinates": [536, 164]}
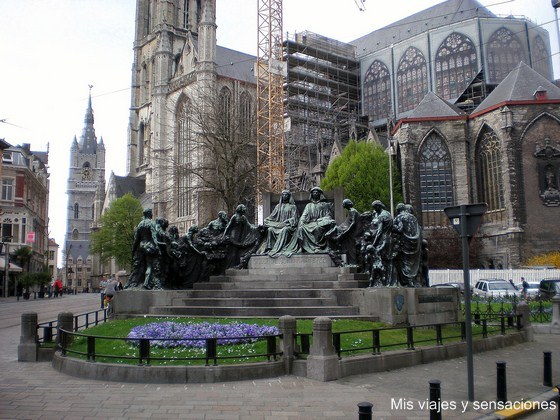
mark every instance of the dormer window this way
{"type": "Point", "coordinates": [540, 94]}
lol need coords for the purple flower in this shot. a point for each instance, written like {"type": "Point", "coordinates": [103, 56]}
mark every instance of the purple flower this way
{"type": "Point", "coordinates": [177, 334]}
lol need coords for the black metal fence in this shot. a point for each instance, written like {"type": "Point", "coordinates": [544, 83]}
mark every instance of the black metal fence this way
{"type": "Point", "coordinates": [540, 311]}
{"type": "Point", "coordinates": [437, 334]}
{"type": "Point", "coordinates": [48, 331]}
{"type": "Point", "coordinates": [408, 337]}
{"type": "Point", "coordinates": [144, 355]}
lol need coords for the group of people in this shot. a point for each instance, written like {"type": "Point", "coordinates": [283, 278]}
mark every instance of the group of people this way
{"type": "Point", "coordinates": [163, 259]}
{"type": "Point", "coordinates": [390, 250]}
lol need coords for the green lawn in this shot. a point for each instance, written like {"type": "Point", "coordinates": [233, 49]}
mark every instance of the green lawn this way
{"type": "Point", "coordinates": [354, 340]}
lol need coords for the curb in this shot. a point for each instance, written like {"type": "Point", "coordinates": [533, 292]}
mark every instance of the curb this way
{"type": "Point", "coordinates": [528, 406]}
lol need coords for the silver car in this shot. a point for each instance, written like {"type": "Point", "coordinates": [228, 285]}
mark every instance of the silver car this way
{"type": "Point", "coordinates": [495, 288]}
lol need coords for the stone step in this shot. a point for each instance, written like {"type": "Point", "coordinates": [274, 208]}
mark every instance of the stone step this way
{"type": "Point", "coordinates": [254, 293]}
{"type": "Point", "coordinates": [275, 277]}
{"type": "Point", "coordinates": [295, 311]}
{"type": "Point", "coordinates": [290, 270]}
{"type": "Point", "coordinates": [319, 284]}
{"type": "Point", "coordinates": [256, 302]}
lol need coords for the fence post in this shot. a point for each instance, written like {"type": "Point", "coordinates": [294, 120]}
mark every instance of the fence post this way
{"type": "Point", "coordinates": [547, 368]}
{"type": "Point", "coordinates": [435, 399]}
{"type": "Point", "coordinates": [555, 323]}
{"type": "Point", "coordinates": [523, 310]}
{"type": "Point", "coordinates": [322, 362]}
{"type": "Point", "coordinates": [365, 410]}
{"type": "Point", "coordinates": [501, 382]}
{"type": "Point", "coordinates": [66, 323]}
{"type": "Point", "coordinates": [287, 327]}
{"type": "Point", "coordinates": [29, 341]}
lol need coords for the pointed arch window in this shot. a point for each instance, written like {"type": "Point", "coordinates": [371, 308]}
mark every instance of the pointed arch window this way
{"type": "Point", "coordinates": [76, 211]}
{"type": "Point", "coordinates": [456, 65]}
{"type": "Point", "coordinates": [436, 179]}
{"type": "Point", "coordinates": [141, 144]}
{"type": "Point", "coordinates": [412, 79]}
{"type": "Point", "coordinates": [504, 51]}
{"type": "Point", "coordinates": [183, 156]}
{"type": "Point", "coordinates": [245, 115]}
{"type": "Point", "coordinates": [489, 172]}
{"type": "Point", "coordinates": [377, 91]}
{"type": "Point", "coordinates": [541, 58]}
{"type": "Point", "coordinates": [225, 110]}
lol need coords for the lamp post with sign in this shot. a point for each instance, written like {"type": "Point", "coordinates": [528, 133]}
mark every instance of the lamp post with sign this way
{"type": "Point", "coordinates": [466, 219]}
{"type": "Point", "coordinates": [6, 244]}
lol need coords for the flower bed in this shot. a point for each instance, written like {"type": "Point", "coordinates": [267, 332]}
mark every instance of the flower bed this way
{"type": "Point", "coordinates": [176, 334]}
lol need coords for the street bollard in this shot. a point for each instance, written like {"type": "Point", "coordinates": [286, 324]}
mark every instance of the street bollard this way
{"type": "Point", "coordinates": [365, 410]}
{"type": "Point", "coordinates": [435, 399]}
{"type": "Point", "coordinates": [547, 368]}
{"type": "Point", "coordinates": [501, 382]}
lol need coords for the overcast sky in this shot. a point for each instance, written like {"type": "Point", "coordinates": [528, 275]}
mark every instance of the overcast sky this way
{"type": "Point", "coordinates": [51, 50]}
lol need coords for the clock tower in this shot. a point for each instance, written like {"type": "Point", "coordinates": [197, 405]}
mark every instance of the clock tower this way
{"type": "Point", "coordinates": [86, 177]}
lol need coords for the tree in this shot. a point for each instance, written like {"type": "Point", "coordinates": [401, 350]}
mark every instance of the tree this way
{"type": "Point", "coordinates": [445, 249]}
{"type": "Point", "coordinates": [23, 255]}
{"type": "Point", "coordinates": [115, 237]}
{"type": "Point", "coordinates": [548, 259]}
{"type": "Point", "coordinates": [212, 153]}
{"type": "Point", "coordinates": [363, 171]}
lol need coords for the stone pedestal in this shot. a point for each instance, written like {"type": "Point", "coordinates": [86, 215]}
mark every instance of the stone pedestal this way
{"type": "Point", "coordinates": [28, 341]}
{"type": "Point", "coordinates": [302, 261]}
{"type": "Point", "coordinates": [414, 306]}
{"type": "Point", "coordinates": [288, 329]}
{"type": "Point", "coordinates": [555, 323]}
{"type": "Point", "coordinates": [322, 362]}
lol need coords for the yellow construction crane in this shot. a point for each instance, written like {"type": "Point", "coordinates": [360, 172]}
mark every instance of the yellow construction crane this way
{"type": "Point", "coordinates": [270, 73]}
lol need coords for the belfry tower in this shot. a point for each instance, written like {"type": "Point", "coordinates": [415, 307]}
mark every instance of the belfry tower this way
{"type": "Point", "coordinates": [86, 174]}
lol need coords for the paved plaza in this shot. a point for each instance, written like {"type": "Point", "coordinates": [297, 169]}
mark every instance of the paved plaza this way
{"type": "Point", "coordinates": [36, 391]}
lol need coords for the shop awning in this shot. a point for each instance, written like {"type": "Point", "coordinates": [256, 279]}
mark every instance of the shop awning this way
{"type": "Point", "coordinates": [12, 268]}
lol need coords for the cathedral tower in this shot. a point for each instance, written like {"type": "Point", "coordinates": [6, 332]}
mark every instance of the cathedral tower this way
{"type": "Point", "coordinates": [86, 174]}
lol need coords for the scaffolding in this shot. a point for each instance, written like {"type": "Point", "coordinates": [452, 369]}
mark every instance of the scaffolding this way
{"type": "Point", "coordinates": [322, 99]}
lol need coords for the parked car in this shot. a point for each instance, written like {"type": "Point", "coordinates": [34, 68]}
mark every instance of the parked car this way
{"type": "Point", "coordinates": [548, 288]}
{"type": "Point", "coordinates": [495, 288]}
{"type": "Point", "coordinates": [456, 285]}
{"type": "Point", "coordinates": [531, 289]}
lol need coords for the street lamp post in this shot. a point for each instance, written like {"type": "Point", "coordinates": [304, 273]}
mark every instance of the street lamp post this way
{"type": "Point", "coordinates": [6, 268]}
{"type": "Point", "coordinates": [6, 244]}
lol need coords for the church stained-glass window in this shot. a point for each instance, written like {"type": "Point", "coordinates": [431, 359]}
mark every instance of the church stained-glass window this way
{"type": "Point", "coordinates": [456, 65]}
{"type": "Point", "coordinates": [183, 157]}
{"type": "Point", "coordinates": [489, 171]}
{"type": "Point", "coordinates": [377, 91]}
{"type": "Point", "coordinates": [504, 51]}
{"type": "Point", "coordinates": [436, 181]}
{"type": "Point", "coordinates": [541, 58]}
{"type": "Point", "coordinates": [412, 79]}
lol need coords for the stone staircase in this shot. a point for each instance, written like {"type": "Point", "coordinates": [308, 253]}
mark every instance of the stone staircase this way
{"type": "Point", "coordinates": [301, 286]}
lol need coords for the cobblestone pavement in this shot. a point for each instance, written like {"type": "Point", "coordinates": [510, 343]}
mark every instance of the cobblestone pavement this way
{"type": "Point", "coordinates": [36, 391]}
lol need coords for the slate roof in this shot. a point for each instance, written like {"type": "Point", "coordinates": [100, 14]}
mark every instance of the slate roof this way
{"type": "Point", "coordinates": [235, 65]}
{"type": "Point", "coordinates": [519, 85]}
{"type": "Point", "coordinates": [445, 13]}
{"type": "Point", "coordinates": [129, 184]}
{"type": "Point", "coordinates": [433, 105]}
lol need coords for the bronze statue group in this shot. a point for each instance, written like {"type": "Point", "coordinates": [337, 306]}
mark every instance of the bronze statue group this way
{"type": "Point", "coordinates": [390, 250]}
